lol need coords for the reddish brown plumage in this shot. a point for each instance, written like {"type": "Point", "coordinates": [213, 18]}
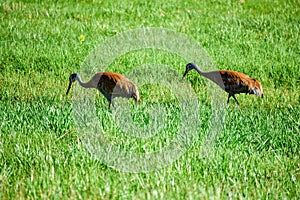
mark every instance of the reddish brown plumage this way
{"type": "Point", "coordinates": [110, 84]}
{"type": "Point", "coordinates": [231, 81]}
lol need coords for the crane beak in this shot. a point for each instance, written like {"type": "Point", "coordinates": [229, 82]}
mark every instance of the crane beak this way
{"type": "Point", "coordinates": [185, 73]}
{"type": "Point", "coordinates": [70, 84]}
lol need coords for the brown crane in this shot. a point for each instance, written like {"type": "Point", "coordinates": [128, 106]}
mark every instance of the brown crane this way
{"type": "Point", "coordinates": [110, 84]}
{"type": "Point", "coordinates": [231, 81]}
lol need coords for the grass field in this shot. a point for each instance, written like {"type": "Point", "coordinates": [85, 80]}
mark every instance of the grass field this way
{"type": "Point", "coordinates": [256, 155]}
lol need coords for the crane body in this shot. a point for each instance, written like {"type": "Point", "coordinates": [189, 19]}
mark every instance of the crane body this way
{"type": "Point", "coordinates": [110, 84]}
{"type": "Point", "coordinates": [230, 81]}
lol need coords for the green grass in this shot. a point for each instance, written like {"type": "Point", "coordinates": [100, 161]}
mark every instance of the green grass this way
{"type": "Point", "coordinates": [42, 152]}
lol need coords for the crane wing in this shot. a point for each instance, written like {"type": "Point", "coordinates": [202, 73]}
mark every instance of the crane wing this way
{"type": "Point", "coordinates": [113, 84]}
{"type": "Point", "coordinates": [235, 82]}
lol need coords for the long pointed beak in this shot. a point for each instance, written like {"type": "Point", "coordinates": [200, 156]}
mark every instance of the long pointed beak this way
{"type": "Point", "coordinates": [185, 73]}
{"type": "Point", "coordinates": [70, 84]}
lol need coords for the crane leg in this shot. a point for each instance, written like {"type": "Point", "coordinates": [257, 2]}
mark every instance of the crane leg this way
{"type": "Point", "coordinates": [111, 103]}
{"type": "Point", "coordinates": [109, 99]}
{"type": "Point", "coordinates": [236, 100]}
{"type": "Point", "coordinates": [229, 95]}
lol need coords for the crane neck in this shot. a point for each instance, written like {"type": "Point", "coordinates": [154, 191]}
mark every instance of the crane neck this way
{"type": "Point", "coordinates": [84, 84]}
{"type": "Point", "coordinates": [199, 70]}
{"type": "Point", "coordinates": [214, 76]}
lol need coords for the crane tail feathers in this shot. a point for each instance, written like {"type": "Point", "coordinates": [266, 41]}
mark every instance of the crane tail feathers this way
{"type": "Point", "coordinates": [257, 92]}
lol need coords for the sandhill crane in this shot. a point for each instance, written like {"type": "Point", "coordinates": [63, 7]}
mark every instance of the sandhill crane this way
{"type": "Point", "coordinates": [110, 84]}
{"type": "Point", "coordinates": [231, 81]}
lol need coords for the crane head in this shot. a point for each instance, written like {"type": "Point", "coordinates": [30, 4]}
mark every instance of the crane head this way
{"type": "Point", "coordinates": [72, 79]}
{"type": "Point", "coordinates": [189, 67]}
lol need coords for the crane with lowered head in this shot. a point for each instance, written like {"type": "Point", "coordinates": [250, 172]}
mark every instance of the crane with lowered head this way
{"type": "Point", "coordinates": [230, 81]}
{"type": "Point", "coordinates": [110, 84]}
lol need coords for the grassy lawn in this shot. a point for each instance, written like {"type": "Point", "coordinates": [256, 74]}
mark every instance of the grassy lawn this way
{"type": "Point", "coordinates": [256, 153]}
